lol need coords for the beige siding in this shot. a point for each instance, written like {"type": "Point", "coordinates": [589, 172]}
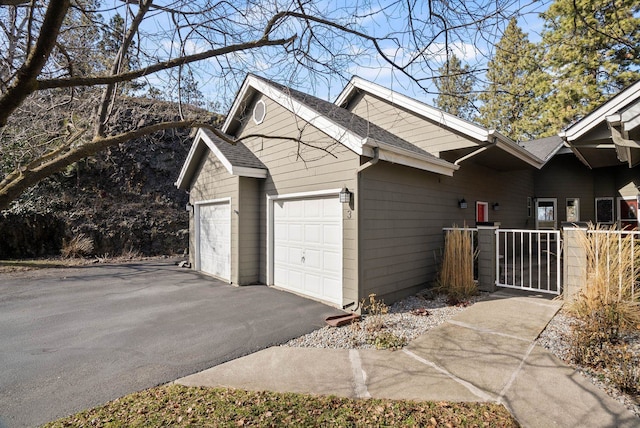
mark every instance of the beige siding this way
{"type": "Point", "coordinates": [320, 164]}
{"type": "Point", "coordinates": [249, 231]}
{"type": "Point", "coordinates": [403, 211]}
{"type": "Point", "coordinates": [423, 133]}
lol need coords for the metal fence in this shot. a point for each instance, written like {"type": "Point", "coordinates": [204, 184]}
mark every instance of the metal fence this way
{"type": "Point", "coordinates": [529, 260]}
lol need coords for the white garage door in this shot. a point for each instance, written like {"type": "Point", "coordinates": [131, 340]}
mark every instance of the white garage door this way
{"type": "Point", "coordinates": [308, 247]}
{"type": "Point", "coordinates": [215, 239]}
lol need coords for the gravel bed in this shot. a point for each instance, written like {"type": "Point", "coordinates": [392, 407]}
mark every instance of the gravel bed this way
{"type": "Point", "coordinates": [556, 338]}
{"type": "Point", "coordinates": [406, 319]}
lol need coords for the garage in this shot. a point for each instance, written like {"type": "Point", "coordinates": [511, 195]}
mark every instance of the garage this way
{"type": "Point", "coordinates": [307, 247]}
{"type": "Point", "coordinates": [214, 238]}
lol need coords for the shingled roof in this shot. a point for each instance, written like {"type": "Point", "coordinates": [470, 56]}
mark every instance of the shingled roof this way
{"type": "Point", "coordinates": [348, 120]}
{"type": "Point", "coordinates": [236, 158]}
{"type": "Point", "coordinates": [543, 148]}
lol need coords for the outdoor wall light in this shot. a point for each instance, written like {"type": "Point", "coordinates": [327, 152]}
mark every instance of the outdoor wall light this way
{"type": "Point", "coordinates": [345, 196]}
{"type": "Point", "coordinates": [462, 203]}
{"type": "Point", "coordinates": [496, 206]}
{"type": "Point", "coordinates": [189, 207]}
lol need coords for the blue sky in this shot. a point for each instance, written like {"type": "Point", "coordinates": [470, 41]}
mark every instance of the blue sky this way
{"type": "Point", "coordinates": [365, 62]}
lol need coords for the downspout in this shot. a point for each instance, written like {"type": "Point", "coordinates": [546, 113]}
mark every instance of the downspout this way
{"type": "Point", "coordinates": [490, 134]}
{"type": "Point", "coordinates": [472, 154]}
{"type": "Point", "coordinates": [374, 160]}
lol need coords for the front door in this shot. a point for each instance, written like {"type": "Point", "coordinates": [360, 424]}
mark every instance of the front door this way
{"type": "Point", "coordinates": [546, 213]}
{"type": "Point", "coordinates": [628, 213]}
{"type": "Point", "coordinates": [482, 212]}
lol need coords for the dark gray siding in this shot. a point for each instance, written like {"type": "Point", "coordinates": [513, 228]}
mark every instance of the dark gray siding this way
{"type": "Point", "coordinates": [402, 213]}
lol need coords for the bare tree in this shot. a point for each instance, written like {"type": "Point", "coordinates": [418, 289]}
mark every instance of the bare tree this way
{"type": "Point", "coordinates": [61, 86]}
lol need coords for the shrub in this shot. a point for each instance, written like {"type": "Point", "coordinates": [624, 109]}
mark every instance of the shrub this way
{"type": "Point", "coordinates": [387, 340]}
{"type": "Point", "coordinates": [79, 246]}
{"type": "Point", "coordinates": [375, 309]}
{"type": "Point", "coordinates": [455, 278]}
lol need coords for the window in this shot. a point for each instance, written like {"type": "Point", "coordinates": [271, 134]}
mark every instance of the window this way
{"type": "Point", "coordinates": [628, 212]}
{"type": "Point", "coordinates": [546, 213]}
{"type": "Point", "coordinates": [604, 210]}
{"type": "Point", "coordinates": [259, 112]}
{"type": "Point", "coordinates": [573, 210]}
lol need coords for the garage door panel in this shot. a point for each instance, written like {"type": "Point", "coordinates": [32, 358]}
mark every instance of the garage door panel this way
{"type": "Point", "coordinates": [332, 258]}
{"type": "Point", "coordinates": [330, 209]}
{"type": "Point", "coordinates": [330, 289]}
{"type": "Point", "coordinates": [331, 235]}
{"type": "Point", "coordinates": [312, 208]}
{"type": "Point", "coordinates": [281, 254]}
{"type": "Point", "coordinates": [295, 233]}
{"type": "Point", "coordinates": [313, 284]}
{"type": "Point", "coordinates": [313, 259]}
{"type": "Point", "coordinates": [308, 257]}
{"type": "Point", "coordinates": [295, 280]}
{"type": "Point", "coordinates": [294, 256]}
{"type": "Point", "coordinates": [313, 234]}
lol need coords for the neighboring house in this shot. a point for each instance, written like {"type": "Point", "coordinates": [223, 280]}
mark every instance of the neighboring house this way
{"type": "Point", "coordinates": [268, 209]}
{"type": "Point", "coordinates": [590, 172]}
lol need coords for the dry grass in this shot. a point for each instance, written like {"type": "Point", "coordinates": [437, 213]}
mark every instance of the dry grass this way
{"type": "Point", "coordinates": [608, 305]}
{"type": "Point", "coordinates": [180, 406]}
{"type": "Point", "coordinates": [79, 246]}
{"type": "Point", "coordinates": [456, 273]}
{"type": "Point", "coordinates": [613, 269]}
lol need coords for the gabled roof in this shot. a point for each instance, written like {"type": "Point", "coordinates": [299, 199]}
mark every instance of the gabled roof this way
{"type": "Point", "coordinates": [236, 158]}
{"type": "Point", "coordinates": [354, 132]}
{"type": "Point", "coordinates": [544, 148]}
{"type": "Point", "coordinates": [611, 133]}
{"type": "Point", "coordinates": [440, 117]}
{"type": "Point", "coordinates": [599, 116]}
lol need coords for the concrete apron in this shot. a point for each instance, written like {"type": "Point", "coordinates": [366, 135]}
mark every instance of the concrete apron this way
{"type": "Point", "coordinates": [485, 353]}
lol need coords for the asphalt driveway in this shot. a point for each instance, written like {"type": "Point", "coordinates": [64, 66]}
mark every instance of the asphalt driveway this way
{"type": "Point", "coordinates": [75, 338]}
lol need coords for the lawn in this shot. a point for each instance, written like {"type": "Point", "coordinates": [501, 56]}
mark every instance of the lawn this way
{"type": "Point", "coordinates": [174, 405]}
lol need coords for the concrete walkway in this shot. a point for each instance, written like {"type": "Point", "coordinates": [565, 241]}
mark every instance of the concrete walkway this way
{"type": "Point", "coordinates": [485, 353]}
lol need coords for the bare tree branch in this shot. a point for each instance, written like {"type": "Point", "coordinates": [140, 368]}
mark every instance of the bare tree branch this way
{"type": "Point", "coordinates": [164, 65]}
{"type": "Point", "coordinates": [22, 178]}
{"type": "Point", "coordinates": [26, 79]}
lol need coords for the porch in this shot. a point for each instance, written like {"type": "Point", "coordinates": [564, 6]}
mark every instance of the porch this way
{"type": "Point", "coordinates": [552, 261]}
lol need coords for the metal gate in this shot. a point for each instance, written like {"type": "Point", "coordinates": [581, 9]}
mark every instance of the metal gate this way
{"type": "Point", "coordinates": [528, 260]}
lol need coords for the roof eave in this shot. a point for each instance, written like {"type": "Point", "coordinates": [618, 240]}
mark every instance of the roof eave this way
{"type": "Point", "coordinates": [508, 145]}
{"type": "Point", "coordinates": [186, 173]}
{"type": "Point", "coordinates": [406, 157]}
{"type": "Point", "coordinates": [593, 119]}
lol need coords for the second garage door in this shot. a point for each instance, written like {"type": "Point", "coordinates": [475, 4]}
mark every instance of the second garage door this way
{"type": "Point", "coordinates": [308, 247]}
{"type": "Point", "coordinates": [214, 233]}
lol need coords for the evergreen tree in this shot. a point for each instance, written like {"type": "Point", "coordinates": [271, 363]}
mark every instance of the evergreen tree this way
{"type": "Point", "coordinates": [455, 85]}
{"type": "Point", "coordinates": [509, 102]}
{"type": "Point", "coordinates": [592, 50]}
